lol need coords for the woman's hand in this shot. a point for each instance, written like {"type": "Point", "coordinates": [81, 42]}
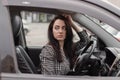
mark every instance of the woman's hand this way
{"type": "Point", "coordinates": [69, 18]}
{"type": "Point", "coordinates": [71, 22]}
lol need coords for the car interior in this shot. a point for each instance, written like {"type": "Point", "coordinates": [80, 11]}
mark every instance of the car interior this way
{"type": "Point", "coordinates": [25, 64]}
{"type": "Point", "coordinates": [98, 59]}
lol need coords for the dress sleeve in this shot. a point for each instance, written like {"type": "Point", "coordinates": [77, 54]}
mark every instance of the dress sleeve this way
{"type": "Point", "coordinates": [47, 60]}
{"type": "Point", "coordinates": [84, 39]}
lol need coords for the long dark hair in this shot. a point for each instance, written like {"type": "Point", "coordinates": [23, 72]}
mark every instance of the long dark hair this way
{"type": "Point", "coordinates": [68, 40]}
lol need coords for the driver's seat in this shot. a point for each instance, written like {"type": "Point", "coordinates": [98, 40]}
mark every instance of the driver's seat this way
{"type": "Point", "coordinates": [25, 63]}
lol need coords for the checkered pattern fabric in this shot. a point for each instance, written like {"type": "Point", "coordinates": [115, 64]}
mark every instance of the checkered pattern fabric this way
{"type": "Point", "coordinates": [49, 63]}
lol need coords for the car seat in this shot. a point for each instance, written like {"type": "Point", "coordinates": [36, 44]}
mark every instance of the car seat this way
{"type": "Point", "coordinates": [25, 63]}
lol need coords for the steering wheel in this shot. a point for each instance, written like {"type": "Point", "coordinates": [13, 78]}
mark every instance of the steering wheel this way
{"type": "Point", "coordinates": [84, 57]}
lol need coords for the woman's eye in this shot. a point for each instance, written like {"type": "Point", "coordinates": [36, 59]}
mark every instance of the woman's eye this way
{"type": "Point", "coordinates": [56, 27]}
{"type": "Point", "coordinates": [63, 28]}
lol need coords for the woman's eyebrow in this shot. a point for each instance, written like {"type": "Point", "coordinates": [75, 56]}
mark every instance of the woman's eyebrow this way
{"type": "Point", "coordinates": [57, 25]}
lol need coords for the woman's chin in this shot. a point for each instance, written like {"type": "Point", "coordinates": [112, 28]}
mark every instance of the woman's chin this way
{"type": "Point", "coordinates": [60, 39]}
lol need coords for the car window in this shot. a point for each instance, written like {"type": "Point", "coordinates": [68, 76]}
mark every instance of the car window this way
{"type": "Point", "coordinates": [35, 26]}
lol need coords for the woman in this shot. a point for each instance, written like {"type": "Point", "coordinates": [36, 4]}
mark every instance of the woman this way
{"type": "Point", "coordinates": [57, 57]}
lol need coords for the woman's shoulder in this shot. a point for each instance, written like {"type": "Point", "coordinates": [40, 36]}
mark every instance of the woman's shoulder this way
{"type": "Point", "coordinates": [47, 49]}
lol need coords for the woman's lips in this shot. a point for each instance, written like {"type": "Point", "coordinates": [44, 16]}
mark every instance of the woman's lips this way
{"type": "Point", "coordinates": [60, 36]}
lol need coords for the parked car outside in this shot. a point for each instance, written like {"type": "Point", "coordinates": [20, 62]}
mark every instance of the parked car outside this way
{"type": "Point", "coordinates": [20, 61]}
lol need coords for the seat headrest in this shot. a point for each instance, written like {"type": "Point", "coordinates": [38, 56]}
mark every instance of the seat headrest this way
{"type": "Point", "coordinates": [16, 24]}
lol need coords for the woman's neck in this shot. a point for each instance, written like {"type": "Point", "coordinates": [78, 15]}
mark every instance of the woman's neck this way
{"type": "Point", "coordinates": [61, 43]}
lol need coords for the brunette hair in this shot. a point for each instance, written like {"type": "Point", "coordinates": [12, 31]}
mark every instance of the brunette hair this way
{"type": "Point", "coordinates": [68, 40]}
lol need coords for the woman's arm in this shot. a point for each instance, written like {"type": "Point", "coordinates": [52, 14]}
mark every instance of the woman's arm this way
{"type": "Point", "coordinates": [84, 39]}
{"type": "Point", "coordinates": [73, 25]}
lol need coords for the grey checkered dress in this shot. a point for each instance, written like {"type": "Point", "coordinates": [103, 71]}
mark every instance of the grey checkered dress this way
{"type": "Point", "coordinates": [49, 63]}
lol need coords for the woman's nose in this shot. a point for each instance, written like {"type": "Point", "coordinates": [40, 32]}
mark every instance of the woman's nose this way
{"type": "Point", "coordinates": [60, 30]}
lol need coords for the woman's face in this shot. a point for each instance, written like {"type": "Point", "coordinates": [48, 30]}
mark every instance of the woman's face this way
{"type": "Point", "coordinates": [59, 30]}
